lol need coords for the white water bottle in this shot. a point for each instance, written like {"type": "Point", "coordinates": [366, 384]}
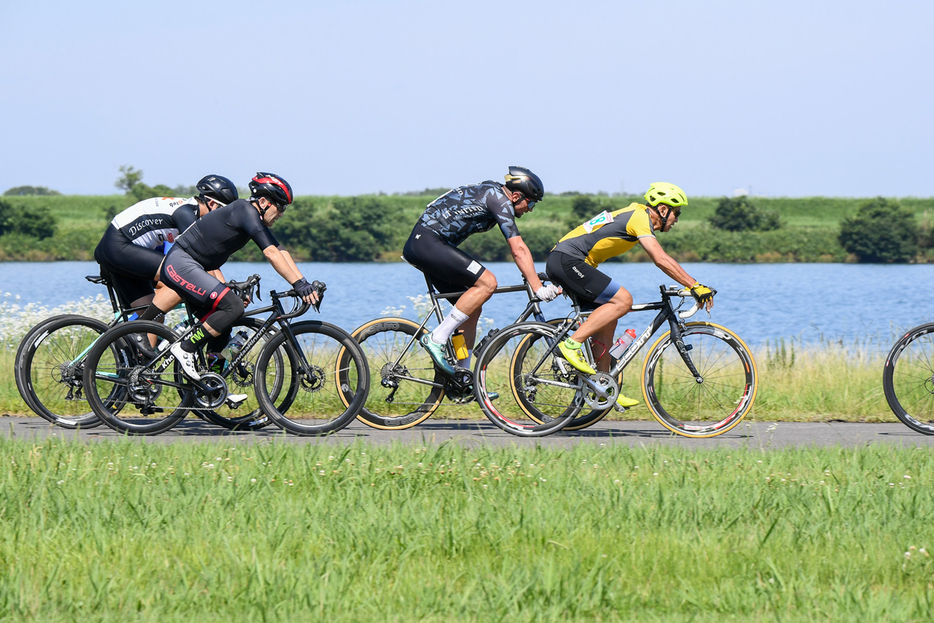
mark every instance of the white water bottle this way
{"type": "Point", "coordinates": [620, 346]}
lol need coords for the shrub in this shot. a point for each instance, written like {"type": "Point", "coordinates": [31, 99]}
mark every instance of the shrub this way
{"type": "Point", "coordinates": [20, 191]}
{"type": "Point", "coordinates": [38, 222]}
{"type": "Point", "coordinates": [741, 214]}
{"type": "Point", "coordinates": [881, 231]}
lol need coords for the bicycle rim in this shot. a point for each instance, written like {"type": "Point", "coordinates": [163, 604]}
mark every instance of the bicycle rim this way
{"type": "Point", "coordinates": [506, 384]}
{"type": "Point", "coordinates": [401, 372]}
{"type": "Point", "coordinates": [908, 379]}
{"type": "Point", "coordinates": [152, 400]}
{"type": "Point", "coordinates": [49, 371]}
{"type": "Point", "coordinates": [327, 367]}
{"type": "Point", "coordinates": [718, 403]}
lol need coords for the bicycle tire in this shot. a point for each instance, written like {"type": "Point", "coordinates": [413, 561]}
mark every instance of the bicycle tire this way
{"type": "Point", "coordinates": [496, 373]}
{"type": "Point", "coordinates": [249, 415]}
{"type": "Point", "coordinates": [161, 399]}
{"type": "Point", "coordinates": [527, 402]}
{"type": "Point", "coordinates": [336, 368]}
{"type": "Point", "coordinates": [700, 409]}
{"type": "Point", "coordinates": [49, 366]}
{"type": "Point", "coordinates": [383, 341]}
{"type": "Point", "coordinates": [908, 379]}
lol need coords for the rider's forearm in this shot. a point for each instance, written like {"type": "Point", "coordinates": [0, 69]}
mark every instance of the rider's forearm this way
{"type": "Point", "coordinates": [673, 269]}
{"type": "Point", "coordinates": [283, 264]}
{"type": "Point", "coordinates": [523, 259]}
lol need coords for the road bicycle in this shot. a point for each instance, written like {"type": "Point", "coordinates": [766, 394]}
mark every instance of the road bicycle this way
{"type": "Point", "coordinates": [908, 379]}
{"type": "Point", "coordinates": [49, 365]}
{"type": "Point", "coordinates": [296, 370]}
{"type": "Point", "coordinates": [406, 386]}
{"type": "Point", "coordinates": [698, 379]}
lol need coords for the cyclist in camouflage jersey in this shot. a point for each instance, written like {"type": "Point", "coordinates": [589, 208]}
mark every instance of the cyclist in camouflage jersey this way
{"type": "Point", "coordinates": [447, 222]}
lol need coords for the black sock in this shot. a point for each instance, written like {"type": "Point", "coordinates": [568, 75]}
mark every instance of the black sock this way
{"type": "Point", "coordinates": [151, 313]}
{"type": "Point", "coordinates": [193, 341]}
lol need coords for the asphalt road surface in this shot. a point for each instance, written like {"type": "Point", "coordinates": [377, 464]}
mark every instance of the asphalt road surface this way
{"type": "Point", "coordinates": [757, 435]}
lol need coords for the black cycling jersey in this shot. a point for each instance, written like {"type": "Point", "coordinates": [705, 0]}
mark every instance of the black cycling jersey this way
{"type": "Point", "coordinates": [219, 233]}
{"type": "Point", "coordinates": [468, 210]}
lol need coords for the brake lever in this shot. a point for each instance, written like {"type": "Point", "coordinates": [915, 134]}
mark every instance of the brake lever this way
{"type": "Point", "coordinates": [319, 288]}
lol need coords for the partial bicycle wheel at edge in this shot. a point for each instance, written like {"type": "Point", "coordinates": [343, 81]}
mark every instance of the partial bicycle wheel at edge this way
{"type": "Point", "coordinates": [326, 365]}
{"type": "Point", "coordinates": [504, 389]}
{"type": "Point", "coordinates": [908, 379]}
{"type": "Point", "coordinates": [405, 386]}
{"type": "Point", "coordinates": [712, 405]}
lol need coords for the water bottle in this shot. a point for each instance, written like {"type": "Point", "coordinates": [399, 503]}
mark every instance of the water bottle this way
{"type": "Point", "coordinates": [235, 345]}
{"type": "Point", "coordinates": [620, 346]}
{"type": "Point", "coordinates": [460, 346]}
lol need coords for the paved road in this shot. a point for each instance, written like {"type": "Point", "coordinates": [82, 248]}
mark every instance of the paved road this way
{"type": "Point", "coordinates": [764, 435]}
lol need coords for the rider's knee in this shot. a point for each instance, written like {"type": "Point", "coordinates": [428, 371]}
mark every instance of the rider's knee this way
{"type": "Point", "coordinates": [486, 283]}
{"type": "Point", "coordinates": [621, 302]}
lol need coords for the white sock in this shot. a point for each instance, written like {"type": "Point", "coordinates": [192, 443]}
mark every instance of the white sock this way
{"type": "Point", "coordinates": [453, 320]}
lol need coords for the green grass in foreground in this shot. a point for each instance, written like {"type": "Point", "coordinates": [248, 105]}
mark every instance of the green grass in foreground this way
{"type": "Point", "coordinates": [107, 531]}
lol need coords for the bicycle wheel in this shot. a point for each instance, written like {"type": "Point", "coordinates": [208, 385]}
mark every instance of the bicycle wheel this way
{"type": "Point", "coordinates": [326, 365]}
{"type": "Point", "coordinates": [707, 407]}
{"type": "Point", "coordinates": [527, 399]}
{"type": "Point", "coordinates": [536, 377]}
{"type": "Point", "coordinates": [908, 379]}
{"type": "Point", "coordinates": [405, 386]}
{"type": "Point", "coordinates": [155, 395]}
{"type": "Point", "coordinates": [248, 415]}
{"type": "Point", "coordinates": [49, 369]}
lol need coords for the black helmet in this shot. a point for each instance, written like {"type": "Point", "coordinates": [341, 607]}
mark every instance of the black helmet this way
{"type": "Point", "coordinates": [526, 182]}
{"type": "Point", "coordinates": [218, 188]}
{"type": "Point", "coordinates": [272, 187]}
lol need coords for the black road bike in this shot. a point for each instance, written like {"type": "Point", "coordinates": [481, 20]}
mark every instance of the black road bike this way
{"type": "Point", "coordinates": [698, 379]}
{"type": "Point", "coordinates": [908, 379]}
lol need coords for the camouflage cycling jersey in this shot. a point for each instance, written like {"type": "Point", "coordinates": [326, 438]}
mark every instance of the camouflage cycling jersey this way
{"type": "Point", "coordinates": [468, 210]}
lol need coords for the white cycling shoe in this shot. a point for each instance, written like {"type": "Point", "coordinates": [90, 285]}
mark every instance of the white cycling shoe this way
{"type": "Point", "coordinates": [186, 360]}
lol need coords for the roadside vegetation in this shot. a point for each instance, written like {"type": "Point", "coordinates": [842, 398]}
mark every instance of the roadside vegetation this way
{"type": "Point", "coordinates": [375, 227]}
{"type": "Point", "coordinates": [279, 531]}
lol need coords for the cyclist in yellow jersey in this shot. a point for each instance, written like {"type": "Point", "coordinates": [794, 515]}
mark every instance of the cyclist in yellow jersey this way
{"type": "Point", "coordinates": [574, 260]}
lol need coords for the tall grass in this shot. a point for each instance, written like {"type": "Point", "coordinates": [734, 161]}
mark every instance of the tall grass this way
{"type": "Point", "coordinates": [109, 531]}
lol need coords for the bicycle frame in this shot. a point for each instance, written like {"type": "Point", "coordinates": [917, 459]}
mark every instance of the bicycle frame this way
{"type": "Point", "coordinates": [667, 313]}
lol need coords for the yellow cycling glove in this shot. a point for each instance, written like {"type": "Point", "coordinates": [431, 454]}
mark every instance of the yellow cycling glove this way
{"type": "Point", "coordinates": [702, 293]}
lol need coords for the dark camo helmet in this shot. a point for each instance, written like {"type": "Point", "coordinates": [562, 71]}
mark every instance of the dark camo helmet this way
{"type": "Point", "coordinates": [526, 182]}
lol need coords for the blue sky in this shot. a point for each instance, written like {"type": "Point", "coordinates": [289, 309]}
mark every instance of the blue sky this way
{"type": "Point", "coordinates": [790, 98]}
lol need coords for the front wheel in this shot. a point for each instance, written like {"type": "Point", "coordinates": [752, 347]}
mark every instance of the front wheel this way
{"type": "Point", "coordinates": [506, 385]}
{"type": "Point", "coordinates": [714, 401]}
{"type": "Point", "coordinates": [908, 379]}
{"type": "Point", "coordinates": [327, 366]}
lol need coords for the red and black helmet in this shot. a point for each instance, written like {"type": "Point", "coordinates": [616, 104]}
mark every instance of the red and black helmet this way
{"type": "Point", "coordinates": [271, 186]}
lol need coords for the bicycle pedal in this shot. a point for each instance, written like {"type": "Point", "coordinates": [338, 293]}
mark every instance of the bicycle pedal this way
{"type": "Point", "coordinates": [235, 400]}
{"type": "Point", "coordinates": [619, 407]}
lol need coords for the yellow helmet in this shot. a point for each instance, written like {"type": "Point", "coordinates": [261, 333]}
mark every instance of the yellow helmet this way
{"type": "Point", "coordinates": [669, 194]}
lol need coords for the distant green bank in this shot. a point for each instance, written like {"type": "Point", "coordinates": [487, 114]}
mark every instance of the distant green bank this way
{"type": "Point", "coordinates": [374, 228]}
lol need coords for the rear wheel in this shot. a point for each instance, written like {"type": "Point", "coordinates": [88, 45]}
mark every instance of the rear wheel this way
{"type": "Point", "coordinates": [154, 395]}
{"type": "Point", "coordinates": [506, 384]}
{"type": "Point", "coordinates": [405, 386]}
{"type": "Point", "coordinates": [49, 369]}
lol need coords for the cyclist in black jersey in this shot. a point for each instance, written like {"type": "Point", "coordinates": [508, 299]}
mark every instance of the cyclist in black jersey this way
{"type": "Point", "coordinates": [131, 249]}
{"type": "Point", "coordinates": [206, 245]}
{"type": "Point", "coordinates": [447, 222]}
{"type": "Point", "coordinates": [573, 264]}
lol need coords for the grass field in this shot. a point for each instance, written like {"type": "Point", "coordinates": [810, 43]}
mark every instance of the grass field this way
{"type": "Point", "coordinates": [110, 531]}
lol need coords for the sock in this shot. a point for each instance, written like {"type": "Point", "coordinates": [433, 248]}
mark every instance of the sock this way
{"type": "Point", "coordinates": [152, 312]}
{"type": "Point", "coordinates": [191, 343]}
{"type": "Point", "coordinates": [454, 319]}
{"type": "Point", "coordinates": [569, 343]}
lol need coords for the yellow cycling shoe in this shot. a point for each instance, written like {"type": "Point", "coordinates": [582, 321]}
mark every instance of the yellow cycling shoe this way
{"type": "Point", "coordinates": [576, 358]}
{"type": "Point", "coordinates": [625, 402]}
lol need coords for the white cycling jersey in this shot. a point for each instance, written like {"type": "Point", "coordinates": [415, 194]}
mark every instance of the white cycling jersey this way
{"type": "Point", "coordinates": [151, 222]}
